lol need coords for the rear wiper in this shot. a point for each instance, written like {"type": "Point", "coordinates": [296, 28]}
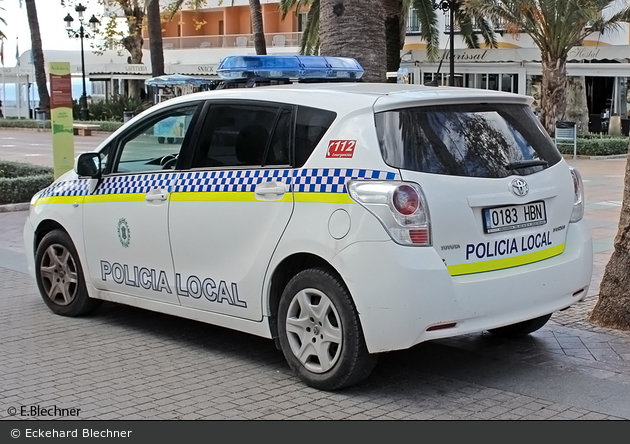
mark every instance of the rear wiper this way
{"type": "Point", "coordinates": [526, 164]}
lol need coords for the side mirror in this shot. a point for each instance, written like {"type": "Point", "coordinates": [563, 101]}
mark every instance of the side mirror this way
{"type": "Point", "coordinates": [89, 165]}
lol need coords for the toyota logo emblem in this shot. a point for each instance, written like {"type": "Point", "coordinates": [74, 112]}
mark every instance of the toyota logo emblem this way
{"type": "Point", "coordinates": [519, 187]}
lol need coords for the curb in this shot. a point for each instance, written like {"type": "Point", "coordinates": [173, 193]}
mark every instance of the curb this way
{"type": "Point", "coordinates": [8, 208]}
{"type": "Point", "coordinates": [582, 157]}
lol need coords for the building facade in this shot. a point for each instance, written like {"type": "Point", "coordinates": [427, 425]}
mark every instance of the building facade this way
{"type": "Point", "coordinates": [196, 41]}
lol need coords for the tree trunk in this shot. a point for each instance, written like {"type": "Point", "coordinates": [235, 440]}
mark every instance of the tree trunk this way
{"type": "Point", "coordinates": [38, 57]}
{"type": "Point", "coordinates": [554, 83]}
{"type": "Point", "coordinates": [133, 43]}
{"type": "Point", "coordinates": [613, 306]}
{"type": "Point", "coordinates": [577, 108]}
{"type": "Point", "coordinates": [154, 23]}
{"type": "Point", "coordinates": [257, 27]}
{"type": "Point", "coordinates": [355, 28]}
{"type": "Point", "coordinates": [393, 12]}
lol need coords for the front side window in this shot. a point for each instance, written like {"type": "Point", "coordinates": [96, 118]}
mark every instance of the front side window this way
{"type": "Point", "coordinates": [480, 140]}
{"type": "Point", "coordinates": [156, 144]}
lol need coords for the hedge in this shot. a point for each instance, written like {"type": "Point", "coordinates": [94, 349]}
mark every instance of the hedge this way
{"type": "Point", "coordinates": [597, 146]}
{"type": "Point", "coordinates": [19, 181]}
{"type": "Point", "coordinates": [105, 126]}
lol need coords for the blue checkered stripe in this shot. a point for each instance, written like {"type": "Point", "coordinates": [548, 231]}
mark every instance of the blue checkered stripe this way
{"type": "Point", "coordinates": [333, 180]}
{"type": "Point", "coordinates": [142, 183]}
{"type": "Point", "coordinates": [78, 187]}
{"type": "Point", "coordinates": [229, 181]}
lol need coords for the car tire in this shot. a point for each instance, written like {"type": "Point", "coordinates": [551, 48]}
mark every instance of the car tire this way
{"type": "Point", "coordinates": [60, 277]}
{"type": "Point", "coordinates": [522, 328]}
{"type": "Point", "coordinates": [319, 331]}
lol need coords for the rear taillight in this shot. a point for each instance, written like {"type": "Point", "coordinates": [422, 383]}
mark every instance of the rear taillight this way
{"type": "Point", "coordinates": [401, 208]}
{"type": "Point", "coordinates": [578, 196]}
{"type": "Point", "coordinates": [405, 200]}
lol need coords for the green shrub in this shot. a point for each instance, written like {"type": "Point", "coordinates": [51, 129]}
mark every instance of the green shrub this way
{"type": "Point", "coordinates": [22, 123]}
{"type": "Point", "coordinates": [597, 146]}
{"type": "Point", "coordinates": [19, 181]}
{"type": "Point", "coordinates": [10, 170]}
{"type": "Point", "coordinates": [113, 109]}
{"type": "Point", "coordinates": [107, 126]}
{"type": "Point", "coordinates": [22, 189]}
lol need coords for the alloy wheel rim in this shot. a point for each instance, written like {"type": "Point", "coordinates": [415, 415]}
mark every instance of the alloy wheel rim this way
{"type": "Point", "coordinates": [314, 330]}
{"type": "Point", "coordinates": [59, 275]}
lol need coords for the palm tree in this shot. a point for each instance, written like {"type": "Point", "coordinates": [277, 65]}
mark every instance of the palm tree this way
{"type": "Point", "coordinates": [355, 28]}
{"type": "Point", "coordinates": [555, 26]}
{"type": "Point", "coordinates": [395, 12]}
{"type": "Point", "coordinates": [38, 56]}
{"type": "Point", "coordinates": [470, 22]}
{"type": "Point", "coordinates": [395, 26]}
{"type": "Point", "coordinates": [156, 48]}
{"type": "Point", "coordinates": [309, 45]}
{"type": "Point", "coordinates": [257, 27]}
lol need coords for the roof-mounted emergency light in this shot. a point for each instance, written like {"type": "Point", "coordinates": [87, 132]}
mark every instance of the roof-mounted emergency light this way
{"type": "Point", "coordinates": [289, 67]}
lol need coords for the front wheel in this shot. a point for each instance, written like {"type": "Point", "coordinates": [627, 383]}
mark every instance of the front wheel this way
{"type": "Point", "coordinates": [319, 331]}
{"type": "Point", "coordinates": [60, 276]}
{"type": "Point", "coordinates": [522, 328]}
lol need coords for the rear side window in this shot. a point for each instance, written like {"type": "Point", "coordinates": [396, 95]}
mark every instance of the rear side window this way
{"type": "Point", "coordinates": [464, 140]}
{"type": "Point", "coordinates": [311, 125]}
{"type": "Point", "coordinates": [243, 135]}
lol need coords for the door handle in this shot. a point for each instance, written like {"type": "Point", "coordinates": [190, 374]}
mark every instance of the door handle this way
{"type": "Point", "coordinates": [270, 190]}
{"type": "Point", "coordinates": [156, 194]}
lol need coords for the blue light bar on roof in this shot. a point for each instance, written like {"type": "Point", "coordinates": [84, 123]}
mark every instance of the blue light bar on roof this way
{"type": "Point", "coordinates": [289, 67]}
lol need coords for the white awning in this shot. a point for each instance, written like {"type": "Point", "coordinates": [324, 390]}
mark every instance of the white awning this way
{"type": "Point", "coordinates": [577, 53]}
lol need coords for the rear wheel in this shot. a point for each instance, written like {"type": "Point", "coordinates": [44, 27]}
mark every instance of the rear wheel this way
{"type": "Point", "coordinates": [320, 333]}
{"type": "Point", "coordinates": [60, 276]}
{"type": "Point", "coordinates": [522, 328]}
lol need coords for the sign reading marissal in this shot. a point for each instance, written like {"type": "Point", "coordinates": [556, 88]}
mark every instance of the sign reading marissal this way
{"type": "Point", "coordinates": [61, 117]}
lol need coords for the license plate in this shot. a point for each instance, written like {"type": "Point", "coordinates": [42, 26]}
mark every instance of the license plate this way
{"type": "Point", "coordinates": [514, 217]}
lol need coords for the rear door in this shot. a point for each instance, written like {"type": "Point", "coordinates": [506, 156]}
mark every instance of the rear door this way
{"type": "Point", "coordinates": [498, 191]}
{"type": "Point", "coordinates": [229, 210]}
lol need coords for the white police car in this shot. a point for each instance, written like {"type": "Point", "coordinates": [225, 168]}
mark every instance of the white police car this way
{"type": "Point", "coordinates": [340, 219]}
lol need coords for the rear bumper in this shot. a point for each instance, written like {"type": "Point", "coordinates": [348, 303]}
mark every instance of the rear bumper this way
{"type": "Point", "coordinates": [401, 291]}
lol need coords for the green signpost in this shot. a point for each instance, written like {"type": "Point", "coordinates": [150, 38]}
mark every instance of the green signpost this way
{"type": "Point", "coordinates": [61, 117]}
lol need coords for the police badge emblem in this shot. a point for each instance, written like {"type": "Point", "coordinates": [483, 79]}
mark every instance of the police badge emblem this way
{"type": "Point", "coordinates": [124, 234]}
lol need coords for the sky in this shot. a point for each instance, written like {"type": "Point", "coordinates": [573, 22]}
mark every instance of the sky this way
{"type": "Point", "coordinates": [50, 15]}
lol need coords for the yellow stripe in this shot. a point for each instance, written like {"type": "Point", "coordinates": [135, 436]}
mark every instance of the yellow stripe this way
{"type": "Point", "coordinates": [223, 196]}
{"type": "Point", "coordinates": [124, 197]}
{"type": "Point", "coordinates": [214, 196]}
{"type": "Point", "coordinates": [323, 198]}
{"type": "Point", "coordinates": [508, 262]}
{"type": "Point", "coordinates": [59, 200]}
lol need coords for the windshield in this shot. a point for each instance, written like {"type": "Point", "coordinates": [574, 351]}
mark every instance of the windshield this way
{"type": "Point", "coordinates": [478, 140]}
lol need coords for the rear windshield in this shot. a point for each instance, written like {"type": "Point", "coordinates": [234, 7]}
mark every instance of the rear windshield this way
{"type": "Point", "coordinates": [475, 140]}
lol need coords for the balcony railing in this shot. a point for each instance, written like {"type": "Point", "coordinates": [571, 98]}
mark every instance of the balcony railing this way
{"type": "Point", "coordinates": [497, 25]}
{"type": "Point", "coordinates": [275, 40]}
{"type": "Point", "coordinates": [413, 24]}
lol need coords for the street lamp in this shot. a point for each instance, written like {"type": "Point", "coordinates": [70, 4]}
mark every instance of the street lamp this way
{"type": "Point", "coordinates": [81, 33]}
{"type": "Point", "coordinates": [444, 6]}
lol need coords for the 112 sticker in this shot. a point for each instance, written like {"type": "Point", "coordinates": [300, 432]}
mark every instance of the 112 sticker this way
{"type": "Point", "coordinates": [341, 148]}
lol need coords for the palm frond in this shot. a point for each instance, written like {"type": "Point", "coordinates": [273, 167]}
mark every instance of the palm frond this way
{"type": "Point", "coordinates": [427, 16]}
{"type": "Point", "coordinates": [466, 26]}
{"type": "Point", "coordinates": [310, 37]}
